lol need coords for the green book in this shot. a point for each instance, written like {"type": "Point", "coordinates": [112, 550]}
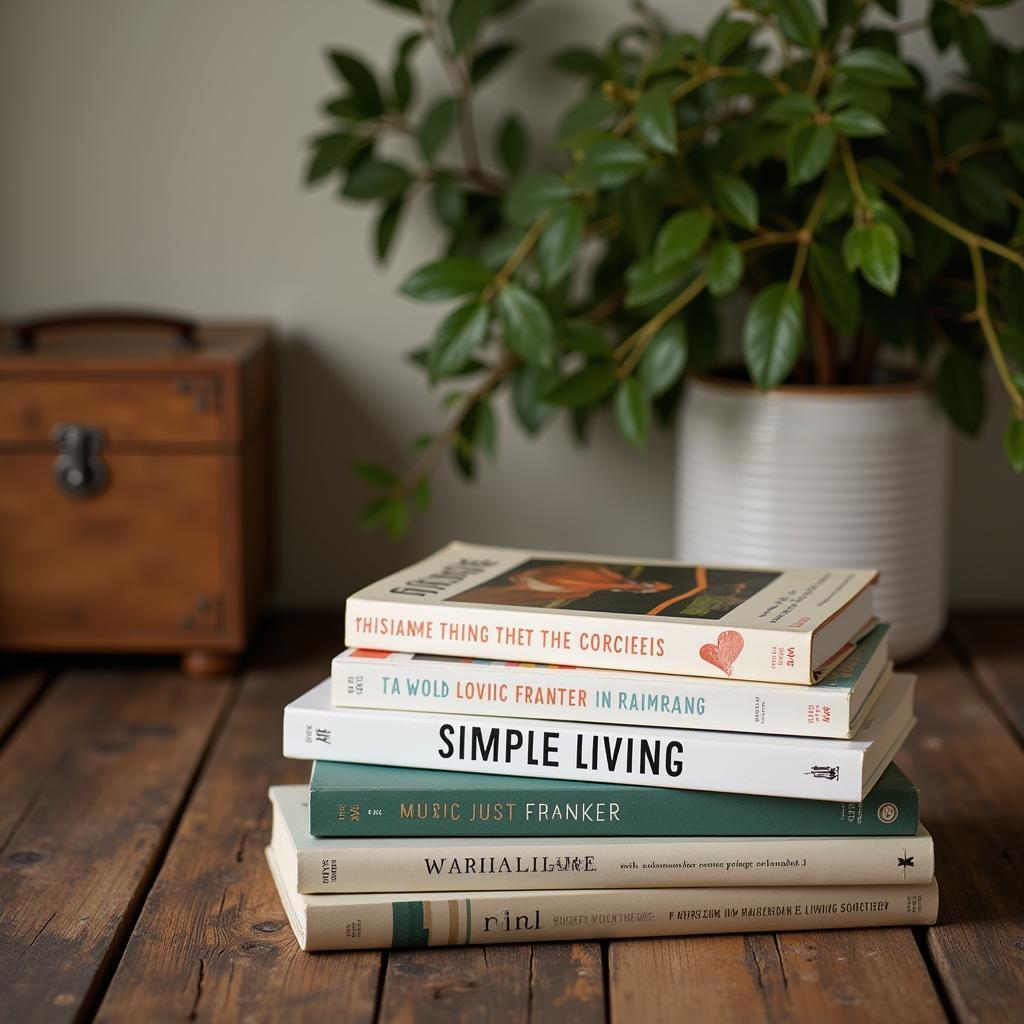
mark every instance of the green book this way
{"type": "Point", "coordinates": [370, 800]}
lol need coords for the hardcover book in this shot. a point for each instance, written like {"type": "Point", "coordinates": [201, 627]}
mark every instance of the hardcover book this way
{"type": "Point", "coordinates": [312, 865]}
{"type": "Point", "coordinates": [464, 918]}
{"type": "Point", "coordinates": [615, 613]}
{"type": "Point", "coordinates": [371, 800]}
{"type": "Point", "coordinates": [428, 682]}
{"type": "Point", "coordinates": [795, 766]}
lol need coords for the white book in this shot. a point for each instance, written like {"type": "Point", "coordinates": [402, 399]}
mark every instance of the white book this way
{"type": "Point", "coordinates": [796, 766]}
{"type": "Point", "coordinates": [311, 865]}
{"type": "Point", "coordinates": [609, 612]}
{"type": "Point", "coordinates": [462, 918]}
{"type": "Point", "coordinates": [836, 707]}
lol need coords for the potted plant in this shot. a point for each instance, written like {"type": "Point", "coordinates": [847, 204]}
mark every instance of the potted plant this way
{"type": "Point", "coordinates": [789, 158]}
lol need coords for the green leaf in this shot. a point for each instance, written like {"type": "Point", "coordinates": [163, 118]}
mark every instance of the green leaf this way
{"type": "Point", "coordinates": [725, 35]}
{"type": "Point", "coordinates": [387, 225]}
{"type": "Point", "coordinates": [532, 197]}
{"type": "Point", "coordinates": [376, 476]}
{"type": "Point", "coordinates": [479, 428]}
{"type": "Point", "coordinates": [982, 192]}
{"type": "Point", "coordinates": [464, 20]}
{"type": "Point", "coordinates": [674, 50]}
{"type": "Point", "coordinates": [961, 391]}
{"type": "Point", "coordinates": [789, 109]}
{"type": "Point", "coordinates": [680, 238]}
{"type": "Point", "coordinates": [376, 179]}
{"type": "Point", "coordinates": [736, 198]}
{"type": "Point", "coordinates": [799, 23]}
{"type": "Point", "coordinates": [645, 284]}
{"type": "Point", "coordinates": [584, 388]}
{"type": "Point", "coordinates": [968, 124]}
{"type": "Point", "coordinates": [611, 163]}
{"type": "Point", "coordinates": [365, 90]}
{"type": "Point", "coordinates": [583, 119]}
{"type": "Point", "coordinates": [849, 93]}
{"type": "Point", "coordinates": [633, 412]}
{"type": "Point", "coordinates": [876, 67]}
{"type": "Point", "coordinates": [664, 359]}
{"type": "Point", "coordinates": [974, 41]}
{"type": "Point", "coordinates": [942, 21]}
{"type": "Point", "coordinates": [449, 201]}
{"type": "Point", "coordinates": [401, 79]}
{"type": "Point", "coordinates": [656, 120]}
{"type": "Point", "coordinates": [773, 334]}
{"type": "Point", "coordinates": [446, 279]}
{"type": "Point", "coordinates": [858, 124]}
{"type": "Point", "coordinates": [1011, 341]}
{"type": "Point", "coordinates": [724, 269]}
{"type": "Point", "coordinates": [1013, 133]}
{"type": "Point", "coordinates": [1013, 444]}
{"type": "Point", "coordinates": [528, 386]}
{"type": "Point", "coordinates": [457, 338]}
{"type": "Point", "coordinates": [527, 325]}
{"type": "Point", "coordinates": [836, 289]}
{"type": "Point", "coordinates": [578, 61]}
{"type": "Point", "coordinates": [840, 14]}
{"type": "Point", "coordinates": [559, 243]}
{"type": "Point", "coordinates": [392, 513]}
{"type": "Point", "coordinates": [512, 144]}
{"type": "Point", "coordinates": [436, 127]}
{"type": "Point", "coordinates": [486, 62]}
{"type": "Point", "coordinates": [581, 336]}
{"type": "Point", "coordinates": [331, 153]}
{"type": "Point", "coordinates": [1013, 294]}
{"type": "Point", "coordinates": [879, 257]}
{"type": "Point", "coordinates": [809, 150]}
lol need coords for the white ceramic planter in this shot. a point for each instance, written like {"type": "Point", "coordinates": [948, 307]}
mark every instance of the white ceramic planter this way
{"type": "Point", "coordinates": [808, 476]}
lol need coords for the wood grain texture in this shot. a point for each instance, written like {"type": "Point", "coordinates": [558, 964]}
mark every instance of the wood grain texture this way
{"type": "Point", "coordinates": [225, 951]}
{"type": "Point", "coordinates": [558, 982]}
{"type": "Point", "coordinates": [993, 644]}
{"type": "Point", "coordinates": [17, 691]}
{"type": "Point", "coordinates": [864, 975]}
{"type": "Point", "coordinates": [970, 770]}
{"type": "Point", "coordinates": [91, 784]}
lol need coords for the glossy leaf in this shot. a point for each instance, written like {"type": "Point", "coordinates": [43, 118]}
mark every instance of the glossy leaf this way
{"type": "Point", "coordinates": [633, 412]}
{"type": "Point", "coordinates": [975, 44]}
{"type": "Point", "coordinates": [611, 163]}
{"type": "Point", "coordinates": [487, 61]}
{"type": "Point", "coordinates": [377, 179]}
{"type": "Point", "coordinates": [809, 151]}
{"type": "Point", "coordinates": [446, 279]}
{"type": "Point", "coordinates": [581, 336]}
{"type": "Point", "coordinates": [465, 18]}
{"type": "Point", "coordinates": [664, 359]}
{"type": "Point", "coordinates": [790, 109]}
{"type": "Point", "coordinates": [532, 197]}
{"type": "Point", "coordinates": [376, 476]}
{"type": "Point", "coordinates": [1013, 444]}
{"type": "Point", "coordinates": [726, 35]}
{"type": "Point", "coordinates": [364, 86]}
{"type": "Point", "coordinates": [879, 257]}
{"type": "Point", "coordinates": [584, 388]}
{"type": "Point", "coordinates": [876, 67]}
{"type": "Point", "coordinates": [859, 124]}
{"type": "Point", "coordinates": [512, 144]}
{"type": "Point", "coordinates": [656, 121]}
{"type": "Point", "coordinates": [331, 153]}
{"type": "Point", "coordinates": [457, 338]}
{"type": "Point", "coordinates": [961, 391]}
{"type": "Point", "coordinates": [526, 325]}
{"type": "Point", "coordinates": [680, 238]}
{"type": "Point", "coordinates": [724, 268]}
{"type": "Point", "coordinates": [836, 288]}
{"type": "Point", "coordinates": [646, 285]}
{"type": "Point", "coordinates": [449, 201]}
{"type": "Point", "coordinates": [559, 243]}
{"type": "Point", "coordinates": [386, 228]}
{"type": "Point", "coordinates": [799, 23]}
{"type": "Point", "coordinates": [773, 334]}
{"type": "Point", "coordinates": [531, 408]}
{"type": "Point", "coordinates": [436, 127]}
{"type": "Point", "coordinates": [736, 198]}
{"type": "Point", "coordinates": [579, 61]}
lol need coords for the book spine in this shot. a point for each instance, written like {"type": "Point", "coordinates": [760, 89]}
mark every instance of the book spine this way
{"type": "Point", "coordinates": [553, 809]}
{"type": "Point", "coordinates": [572, 915]}
{"type": "Point", "coordinates": [506, 691]}
{"type": "Point", "coordinates": [399, 866]}
{"type": "Point", "coordinates": [674, 759]}
{"type": "Point", "coordinates": [635, 644]}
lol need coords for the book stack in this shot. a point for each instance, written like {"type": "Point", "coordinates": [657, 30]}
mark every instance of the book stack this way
{"type": "Point", "coordinates": [523, 746]}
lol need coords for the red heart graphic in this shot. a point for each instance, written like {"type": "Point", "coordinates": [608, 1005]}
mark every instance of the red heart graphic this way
{"type": "Point", "coordinates": [725, 652]}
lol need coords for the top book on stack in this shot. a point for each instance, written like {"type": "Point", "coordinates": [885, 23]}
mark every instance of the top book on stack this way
{"type": "Point", "coordinates": [467, 600]}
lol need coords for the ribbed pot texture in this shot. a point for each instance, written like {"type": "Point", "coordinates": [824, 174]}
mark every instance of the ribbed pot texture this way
{"type": "Point", "coordinates": [832, 477]}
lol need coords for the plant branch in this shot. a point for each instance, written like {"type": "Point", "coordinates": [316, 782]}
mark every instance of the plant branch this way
{"type": "Point", "coordinates": [989, 331]}
{"type": "Point", "coordinates": [852, 174]}
{"type": "Point", "coordinates": [512, 264]}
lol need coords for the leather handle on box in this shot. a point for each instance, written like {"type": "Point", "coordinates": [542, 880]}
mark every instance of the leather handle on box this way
{"type": "Point", "coordinates": [24, 333]}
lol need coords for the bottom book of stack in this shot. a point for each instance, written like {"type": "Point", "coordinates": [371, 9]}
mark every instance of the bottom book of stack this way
{"type": "Point", "coordinates": [358, 893]}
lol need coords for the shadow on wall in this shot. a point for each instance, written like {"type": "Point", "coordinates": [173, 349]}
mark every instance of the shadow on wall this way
{"type": "Point", "coordinates": [324, 426]}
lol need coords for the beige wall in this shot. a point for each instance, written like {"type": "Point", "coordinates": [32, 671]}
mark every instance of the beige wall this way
{"type": "Point", "coordinates": [151, 152]}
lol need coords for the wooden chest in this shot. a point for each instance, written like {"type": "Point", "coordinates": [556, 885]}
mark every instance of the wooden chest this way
{"type": "Point", "coordinates": [134, 485]}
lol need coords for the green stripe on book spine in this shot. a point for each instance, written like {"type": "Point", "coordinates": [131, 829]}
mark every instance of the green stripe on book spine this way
{"type": "Point", "coordinates": [407, 927]}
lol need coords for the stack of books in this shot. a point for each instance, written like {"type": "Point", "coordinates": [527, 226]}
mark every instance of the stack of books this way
{"type": "Point", "coordinates": [522, 746]}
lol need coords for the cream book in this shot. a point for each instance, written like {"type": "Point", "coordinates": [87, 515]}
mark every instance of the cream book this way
{"type": "Point", "coordinates": [424, 864]}
{"type": "Point", "coordinates": [609, 612]}
{"type": "Point", "coordinates": [460, 918]}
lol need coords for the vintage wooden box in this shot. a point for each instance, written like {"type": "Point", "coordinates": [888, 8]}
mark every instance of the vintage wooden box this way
{"type": "Point", "coordinates": [134, 485]}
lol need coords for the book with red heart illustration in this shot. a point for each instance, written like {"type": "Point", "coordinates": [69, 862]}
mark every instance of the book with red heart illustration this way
{"type": "Point", "coordinates": [612, 612]}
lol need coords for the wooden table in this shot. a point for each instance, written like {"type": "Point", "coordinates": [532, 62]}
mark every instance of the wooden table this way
{"type": "Point", "coordinates": [133, 815]}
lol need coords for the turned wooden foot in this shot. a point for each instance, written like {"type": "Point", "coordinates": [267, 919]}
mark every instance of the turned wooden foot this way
{"type": "Point", "coordinates": [208, 663]}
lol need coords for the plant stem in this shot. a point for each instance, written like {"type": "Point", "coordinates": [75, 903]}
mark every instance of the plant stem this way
{"type": "Point", "coordinates": [512, 264]}
{"type": "Point", "coordinates": [853, 175]}
{"type": "Point", "coordinates": [973, 148]}
{"type": "Point", "coordinates": [432, 454]}
{"type": "Point", "coordinates": [989, 331]}
{"type": "Point", "coordinates": [969, 238]}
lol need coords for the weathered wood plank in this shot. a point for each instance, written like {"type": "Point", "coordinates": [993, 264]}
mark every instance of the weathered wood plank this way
{"type": "Point", "coordinates": [557, 982]}
{"type": "Point", "coordinates": [212, 942]}
{"type": "Point", "coordinates": [91, 784]}
{"type": "Point", "coordinates": [970, 770]}
{"type": "Point", "coordinates": [863, 975]}
{"type": "Point", "coordinates": [994, 643]}
{"type": "Point", "coordinates": [17, 691]}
